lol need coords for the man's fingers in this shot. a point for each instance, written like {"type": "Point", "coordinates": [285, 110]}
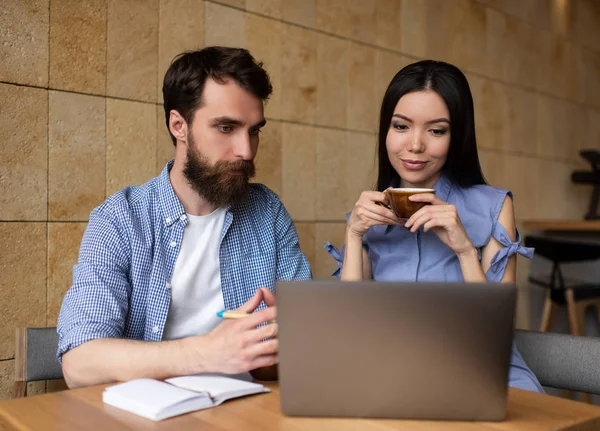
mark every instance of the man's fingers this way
{"type": "Point", "coordinates": [253, 303]}
{"type": "Point", "coordinates": [268, 331]}
{"type": "Point", "coordinates": [268, 296]}
{"type": "Point", "coordinates": [269, 347]}
{"type": "Point", "coordinates": [265, 361]}
{"type": "Point", "coordinates": [263, 316]}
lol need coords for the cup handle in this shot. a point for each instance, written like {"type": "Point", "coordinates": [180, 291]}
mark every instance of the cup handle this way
{"type": "Point", "coordinates": [383, 204]}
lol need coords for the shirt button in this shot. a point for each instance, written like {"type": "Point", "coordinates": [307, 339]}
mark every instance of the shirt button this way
{"type": "Point", "coordinates": [155, 329]}
{"type": "Point", "coordinates": [168, 285]}
{"type": "Point", "coordinates": [183, 217]}
{"type": "Point", "coordinates": [168, 220]}
{"type": "Point", "coordinates": [173, 244]}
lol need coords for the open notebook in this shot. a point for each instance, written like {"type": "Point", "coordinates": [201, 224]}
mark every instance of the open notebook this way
{"type": "Point", "coordinates": [157, 400]}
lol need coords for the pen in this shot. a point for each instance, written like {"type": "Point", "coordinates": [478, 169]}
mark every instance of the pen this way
{"type": "Point", "coordinates": [226, 314]}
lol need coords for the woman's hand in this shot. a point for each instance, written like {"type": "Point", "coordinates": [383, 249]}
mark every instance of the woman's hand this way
{"type": "Point", "coordinates": [370, 210]}
{"type": "Point", "coordinates": [443, 219]}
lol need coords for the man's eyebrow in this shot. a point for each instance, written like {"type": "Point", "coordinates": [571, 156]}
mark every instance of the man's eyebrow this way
{"type": "Point", "coordinates": [226, 120]}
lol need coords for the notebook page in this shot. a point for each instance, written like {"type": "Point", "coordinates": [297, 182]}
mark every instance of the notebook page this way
{"type": "Point", "coordinates": [219, 387]}
{"type": "Point", "coordinates": [154, 399]}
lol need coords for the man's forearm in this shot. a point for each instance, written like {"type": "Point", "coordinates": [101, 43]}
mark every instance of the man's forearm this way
{"type": "Point", "coordinates": [110, 359]}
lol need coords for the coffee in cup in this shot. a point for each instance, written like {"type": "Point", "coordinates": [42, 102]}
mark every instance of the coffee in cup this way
{"type": "Point", "coordinates": [401, 205]}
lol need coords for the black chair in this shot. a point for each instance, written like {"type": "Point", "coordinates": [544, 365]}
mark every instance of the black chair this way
{"type": "Point", "coordinates": [35, 358]}
{"type": "Point", "coordinates": [590, 177]}
{"type": "Point", "coordinates": [562, 361]}
{"type": "Point", "coordinates": [577, 296]}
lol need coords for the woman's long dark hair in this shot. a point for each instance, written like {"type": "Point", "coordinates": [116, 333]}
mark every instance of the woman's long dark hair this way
{"type": "Point", "coordinates": [462, 164]}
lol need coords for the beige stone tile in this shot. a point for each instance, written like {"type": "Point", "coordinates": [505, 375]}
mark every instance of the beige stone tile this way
{"type": "Point", "coordinates": [165, 150]}
{"type": "Point", "coordinates": [269, 157]}
{"type": "Point", "coordinates": [493, 166]}
{"type": "Point", "coordinates": [545, 126]}
{"type": "Point", "coordinates": [24, 49]}
{"type": "Point", "coordinates": [303, 12]}
{"type": "Point", "coordinates": [468, 39]}
{"type": "Point", "coordinates": [298, 169]}
{"type": "Point", "coordinates": [388, 24]}
{"type": "Point", "coordinates": [332, 67]}
{"type": "Point", "coordinates": [560, 128]}
{"type": "Point", "coordinates": [593, 124]}
{"type": "Point", "coordinates": [559, 197]}
{"type": "Point", "coordinates": [522, 120]}
{"type": "Point", "coordinates": [562, 70]}
{"type": "Point", "coordinates": [591, 64]}
{"type": "Point", "coordinates": [264, 39]}
{"type": "Point", "coordinates": [520, 175]}
{"type": "Point", "coordinates": [578, 131]}
{"type": "Point", "coordinates": [299, 91]}
{"type": "Point", "coordinates": [330, 187]}
{"type": "Point", "coordinates": [130, 144]}
{"type": "Point", "coordinates": [224, 26]}
{"type": "Point", "coordinates": [333, 16]}
{"type": "Point", "coordinates": [132, 49]}
{"type": "Point", "coordinates": [78, 63]}
{"type": "Point", "coordinates": [360, 94]}
{"type": "Point", "coordinates": [502, 45]}
{"type": "Point", "coordinates": [440, 23]}
{"type": "Point", "coordinates": [76, 163]}
{"type": "Point", "coordinates": [361, 166]}
{"type": "Point", "coordinates": [528, 41]}
{"type": "Point", "coordinates": [235, 3]}
{"type": "Point", "coordinates": [272, 8]}
{"type": "Point", "coordinates": [63, 250]}
{"type": "Point", "coordinates": [492, 112]}
{"type": "Point", "coordinates": [306, 237]}
{"type": "Point", "coordinates": [355, 19]}
{"type": "Point", "coordinates": [178, 32]}
{"type": "Point", "coordinates": [325, 265]}
{"type": "Point", "coordinates": [23, 285]}
{"type": "Point", "coordinates": [587, 17]}
{"type": "Point", "coordinates": [24, 153]}
{"type": "Point", "coordinates": [413, 29]}
{"type": "Point", "coordinates": [7, 378]}
{"type": "Point", "coordinates": [387, 65]}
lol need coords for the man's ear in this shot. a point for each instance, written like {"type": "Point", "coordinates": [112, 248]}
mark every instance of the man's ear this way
{"type": "Point", "coordinates": [178, 126]}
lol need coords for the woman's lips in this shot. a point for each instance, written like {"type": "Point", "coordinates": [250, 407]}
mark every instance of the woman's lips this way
{"type": "Point", "coordinates": [414, 165]}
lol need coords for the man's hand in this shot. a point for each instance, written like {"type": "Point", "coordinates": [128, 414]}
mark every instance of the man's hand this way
{"type": "Point", "coordinates": [237, 346]}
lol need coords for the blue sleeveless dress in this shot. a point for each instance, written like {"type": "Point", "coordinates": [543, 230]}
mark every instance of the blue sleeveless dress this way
{"type": "Point", "coordinates": [396, 254]}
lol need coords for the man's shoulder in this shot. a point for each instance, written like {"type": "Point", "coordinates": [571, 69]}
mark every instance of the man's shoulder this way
{"type": "Point", "coordinates": [131, 201]}
{"type": "Point", "coordinates": [262, 195]}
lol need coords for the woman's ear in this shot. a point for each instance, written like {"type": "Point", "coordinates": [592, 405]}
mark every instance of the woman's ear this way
{"type": "Point", "coordinates": [178, 126]}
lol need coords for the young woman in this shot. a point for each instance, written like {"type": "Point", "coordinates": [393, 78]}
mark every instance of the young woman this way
{"type": "Point", "coordinates": [427, 140]}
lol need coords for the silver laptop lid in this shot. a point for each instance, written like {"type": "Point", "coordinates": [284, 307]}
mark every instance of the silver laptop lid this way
{"type": "Point", "coordinates": [395, 350]}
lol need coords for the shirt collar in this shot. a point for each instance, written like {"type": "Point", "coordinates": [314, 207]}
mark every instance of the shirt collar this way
{"type": "Point", "coordinates": [171, 207]}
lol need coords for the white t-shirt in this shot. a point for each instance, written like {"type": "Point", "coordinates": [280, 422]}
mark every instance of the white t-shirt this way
{"type": "Point", "coordinates": [196, 294]}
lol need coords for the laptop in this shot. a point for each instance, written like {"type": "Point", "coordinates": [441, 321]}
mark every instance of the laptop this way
{"type": "Point", "coordinates": [394, 349]}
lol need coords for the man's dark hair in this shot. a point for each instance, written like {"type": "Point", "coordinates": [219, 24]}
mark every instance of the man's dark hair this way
{"type": "Point", "coordinates": [184, 81]}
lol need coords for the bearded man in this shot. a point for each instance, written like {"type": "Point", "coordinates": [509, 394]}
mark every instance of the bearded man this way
{"type": "Point", "coordinates": [158, 261]}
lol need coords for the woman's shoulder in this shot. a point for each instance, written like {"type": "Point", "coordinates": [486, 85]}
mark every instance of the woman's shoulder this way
{"type": "Point", "coordinates": [482, 197]}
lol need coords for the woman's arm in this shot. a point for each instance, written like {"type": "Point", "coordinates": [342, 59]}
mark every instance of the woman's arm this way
{"type": "Point", "coordinates": [356, 260]}
{"type": "Point", "coordinates": [507, 220]}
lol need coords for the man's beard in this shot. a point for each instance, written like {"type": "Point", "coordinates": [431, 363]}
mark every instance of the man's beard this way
{"type": "Point", "coordinates": [216, 183]}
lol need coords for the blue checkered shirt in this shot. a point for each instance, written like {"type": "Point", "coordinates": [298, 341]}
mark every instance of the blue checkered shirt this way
{"type": "Point", "coordinates": [128, 252]}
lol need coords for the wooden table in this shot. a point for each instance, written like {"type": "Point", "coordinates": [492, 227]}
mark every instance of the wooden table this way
{"type": "Point", "coordinates": [563, 225]}
{"type": "Point", "coordinates": [82, 409]}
